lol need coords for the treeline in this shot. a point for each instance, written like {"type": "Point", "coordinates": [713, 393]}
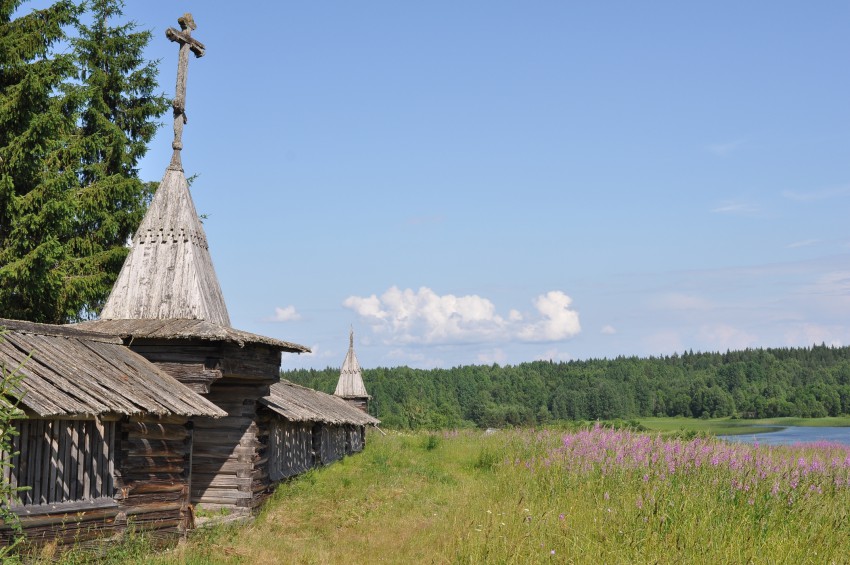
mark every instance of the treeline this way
{"type": "Point", "coordinates": [754, 383]}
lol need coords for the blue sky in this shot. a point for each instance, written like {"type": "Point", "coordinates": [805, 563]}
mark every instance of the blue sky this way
{"type": "Point", "coordinates": [479, 182]}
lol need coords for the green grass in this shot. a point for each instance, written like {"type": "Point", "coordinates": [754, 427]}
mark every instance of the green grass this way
{"type": "Point", "coordinates": [514, 497]}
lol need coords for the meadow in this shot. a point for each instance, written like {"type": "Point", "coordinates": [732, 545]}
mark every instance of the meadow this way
{"type": "Point", "coordinates": [591, 495]}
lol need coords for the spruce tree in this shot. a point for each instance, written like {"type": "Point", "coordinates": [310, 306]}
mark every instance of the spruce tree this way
{"type": "Point", "coordinates": [36, 169]}
{"type": "Point", "coordinates": [72, 130]}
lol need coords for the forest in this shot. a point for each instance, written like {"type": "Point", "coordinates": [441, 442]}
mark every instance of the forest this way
{"type": "Point", "coordinates": [753, 383]}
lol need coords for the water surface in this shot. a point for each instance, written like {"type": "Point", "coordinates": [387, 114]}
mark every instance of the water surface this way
{"type": "Point", "coordinates": [787, 435]}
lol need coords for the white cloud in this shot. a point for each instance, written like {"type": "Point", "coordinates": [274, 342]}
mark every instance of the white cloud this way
{"type": "Point", "coordinates": [609, 330]}
{"type": "Point", "coordinates": [422, 316]}
{"type": "Point", "coordinates": [558, 322]}
{"type": "Point", "coordinates": [287, 314]}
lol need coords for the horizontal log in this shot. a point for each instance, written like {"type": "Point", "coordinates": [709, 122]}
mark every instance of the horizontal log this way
{"type": "Point", "coordinates": [164, 350]}
{"type": "Point", "coordinates": [155, 469]}
{"type": "Point", "coordinates": [226, 422]}
{"type": "Point", "coordinates": [226, 450]}
{"type": "Point", "coordinates": [154, 486]}
{"type": "Point", "coordinates": [224, 436]}
{"type": "Point", "coordinates": [154, 498]}
{"type": "Point", "coordinates": [154, 448]}
{"type": "Point", "coordinates": [221, 496]}
{"type": "Point", "coordinates": [153, 508]}
{"type": "Point", "coordinates": [137, 459]}
{"type": "Point", "coordinates": [132, 477]}
{"type": "Point", "coordinates": [218, 465]}
{"type": "Point", "coordinates": [159, 419]}
{"type": "Point", "coordinates": [219, 481]}
{"type": "Point", "coordinates": [155, 430]}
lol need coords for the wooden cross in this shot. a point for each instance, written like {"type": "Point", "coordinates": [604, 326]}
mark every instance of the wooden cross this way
{"type": "Point", "coordinates": [187, 43]}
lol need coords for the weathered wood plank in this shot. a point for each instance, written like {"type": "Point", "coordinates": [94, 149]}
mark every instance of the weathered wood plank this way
{"type": "Point", "coordinates": [155, 430]}
{"type": "Point", "coordinates": [86, 460]}
{"type": "Point", "coordinates": [67, 440]}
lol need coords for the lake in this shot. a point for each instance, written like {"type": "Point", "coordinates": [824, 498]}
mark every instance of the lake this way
{"type": "Point", "coordinates": [794, 434]}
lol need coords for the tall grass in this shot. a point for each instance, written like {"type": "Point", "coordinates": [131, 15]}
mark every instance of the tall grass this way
{"type": "Point", "coordinates": [585, 496]}
{"type": "Point", "coordinates": [620, 497]}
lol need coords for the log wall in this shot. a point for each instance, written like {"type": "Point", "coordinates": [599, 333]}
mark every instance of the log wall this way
{"type": "Point", "coordinates": [229, 462]}
{"type": "Point", "coordinates": [153, 474]}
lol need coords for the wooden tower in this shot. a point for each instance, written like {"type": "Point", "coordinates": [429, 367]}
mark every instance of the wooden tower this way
{"type": "Point", "coordinates": [350, 385]}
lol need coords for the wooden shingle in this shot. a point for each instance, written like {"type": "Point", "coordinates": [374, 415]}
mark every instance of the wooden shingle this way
{"type": "Point", "coordinates": [70, 372]}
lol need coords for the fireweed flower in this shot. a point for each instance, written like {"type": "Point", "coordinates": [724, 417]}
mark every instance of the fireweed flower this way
{"type": "Point", "coordinates": [737, 467]}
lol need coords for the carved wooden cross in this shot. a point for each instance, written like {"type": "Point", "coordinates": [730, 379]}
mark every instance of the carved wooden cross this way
{"type": "Point", "coordinates": [187, 43]}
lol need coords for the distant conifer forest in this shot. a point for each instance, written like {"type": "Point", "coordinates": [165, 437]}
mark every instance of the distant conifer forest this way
{"type": "Point", "coordinates": [754, 383]}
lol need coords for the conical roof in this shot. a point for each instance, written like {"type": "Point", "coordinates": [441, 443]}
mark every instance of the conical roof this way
{"type": "Point", "coordinates": [169, 272]}
{"type": "Point", "coordinates": [350, 384]}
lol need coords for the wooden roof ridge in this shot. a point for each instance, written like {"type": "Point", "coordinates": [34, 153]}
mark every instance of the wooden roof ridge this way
{"type": "Point", "coordinates": [350, 383]}
{"type": "Point", "coordinates": [169, 272]}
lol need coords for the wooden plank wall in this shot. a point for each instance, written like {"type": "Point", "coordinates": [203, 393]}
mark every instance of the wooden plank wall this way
{"type": "Point", "coordinates": [332, 447]}
{"type": "Point", "coordinates": [69, 466]}
{"type": "Point", "coordinates": [62, 460]}
{"type": "Point", "coordinates": [355, 438]}
{"type": "Point", "coordinates": [95, 478]}
{"type": "Point", "coordinates": [290, 448]}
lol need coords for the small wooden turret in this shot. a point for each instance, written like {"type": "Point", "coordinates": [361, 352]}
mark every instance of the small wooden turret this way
{"type": "Point", "coordinates": [350, 385]}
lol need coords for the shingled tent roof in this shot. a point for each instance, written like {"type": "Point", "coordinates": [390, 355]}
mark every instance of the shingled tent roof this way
{"type": "Point", "coordinates": [350, 384]}
{"type": "Point", "coordinates": [169, 272]}
{"type": "Point", "coordinates": [71, 372]}
{"type": "Point", "coordinates": [300, 404]}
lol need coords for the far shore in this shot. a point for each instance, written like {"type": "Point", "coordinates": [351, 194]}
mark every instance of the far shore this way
{"type": "Point", "coordinates": [737, 426]}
